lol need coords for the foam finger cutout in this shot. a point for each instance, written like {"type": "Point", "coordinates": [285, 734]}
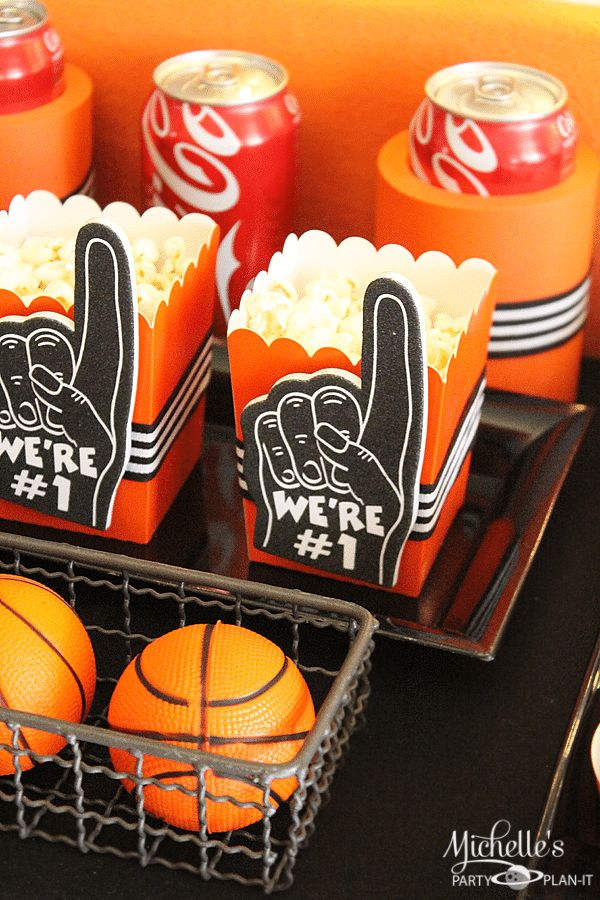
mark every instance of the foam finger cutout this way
{"type": "Point", "coordinates": [357, 381]}
{"type": "Point", "coordinates": [541, 245]}
{"type": "Point", "coordinates": [102, 385]}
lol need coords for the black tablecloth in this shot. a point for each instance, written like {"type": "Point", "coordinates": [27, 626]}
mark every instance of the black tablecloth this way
{"type": "Point", "coordinates": [451, 744]}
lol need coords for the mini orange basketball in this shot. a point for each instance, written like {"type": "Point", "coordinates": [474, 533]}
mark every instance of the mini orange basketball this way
{"type": "Point", "coordinates": [47, 664]}
{"type": "Point", "coordinates": [219, 688]}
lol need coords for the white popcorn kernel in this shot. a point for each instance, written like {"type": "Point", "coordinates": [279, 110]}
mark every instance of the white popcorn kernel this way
{"type": "Point", "coordinates": [168, 267]}
{"type": "Point", "coordinates": [20, 279]}
{"type": "Point", "coordinates": [147, 293]}
{"type": "Point", "coordinates": [174, 247]}
{"type": "Point", "coordinates": [9, 256]}
{"type": "Point", "coordinates": [286, 288]}
{"type": "Point", "coordinates": [145, 270]}
{"type": "Point", "coordinates": [146, 249]}
{"type": "Point", "coordinates": [61, 291]}
{"type": "Point", "coordinates": [316, 338]}
{"type": "Point", "coordinates": [66, 251]}
{"type": "Point", "coordinates": [257, 321]}
{"type": "Point", "coordinates": [428, 304]}
{"type": "Point", "coordinates": [35, 251]}
{"type": "Point", "coordinates": [338, 306]}
{"type": "Point", "coordinates": [353, 324]}
{"type": "Point", "coordinates": [182, 263]}
{"type": "Point", "coordinates": [54, 270]}
{"type": "Point", "coordinates": [319, 314]}
{"type": "Point", "coordinates": [163, 282]}
{"type": "Point", "coordinates": [341, 340]}
{"type": "Point", "coordinates": [298, 324]}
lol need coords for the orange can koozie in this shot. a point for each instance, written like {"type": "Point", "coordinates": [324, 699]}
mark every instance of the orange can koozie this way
{"type": "Point", "coordinates": [541, 245]}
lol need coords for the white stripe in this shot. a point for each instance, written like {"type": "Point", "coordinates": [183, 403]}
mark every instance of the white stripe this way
{"type": "Point", "coordinates": [459, 451]}
{"type": "Point", "coordinates": [427, 525]}
{"type": "Point", "coordinates": [151, 468]}
{"type": "Point", "coordinates": [139, 454]}
{"type": "Point", "coordinates": [537, 343]}
{"type": "Point", "coordinates": [552, 323]}
{"type": "Point", "coordinates": [150, 437]}
{"type": "Point", "coordinates": [194, 392]}
{"type": "Point", "coordinates": [542, 310]}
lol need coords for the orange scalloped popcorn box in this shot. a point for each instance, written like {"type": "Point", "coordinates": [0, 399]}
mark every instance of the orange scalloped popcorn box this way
{"type": "Point", "coordinates": [453, 398]}
{"type": "Point", "coordinates": [173, 365]}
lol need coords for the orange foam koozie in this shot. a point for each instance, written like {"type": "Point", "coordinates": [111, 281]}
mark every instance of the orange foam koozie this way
{"type": "Point", "coordinates": [541, 244]}
{"type": "Point", "coordinates": [49, 147]}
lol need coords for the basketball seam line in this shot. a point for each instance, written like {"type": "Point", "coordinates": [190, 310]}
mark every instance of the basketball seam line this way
{"type": "Point", "coordinates": [214, 740]}
{"type": "Point", "coordinates": [152, 689]}
{"type": "Point", "coordinates": [234, 701]}
{"type": "Point", "coordinates": [22, 578]}
{"type": "Point", "coordinates": [52, 647]}
{"type": "Point", "coordinates": [203, 674]}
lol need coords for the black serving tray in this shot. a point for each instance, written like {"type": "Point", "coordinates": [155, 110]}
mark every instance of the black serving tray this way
{"type": "Point", "coordinates": [522, 453]}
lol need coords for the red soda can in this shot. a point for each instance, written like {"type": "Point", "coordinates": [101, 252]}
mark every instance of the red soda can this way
{"type": "Point", "coordinates": [219, 136]}
{"type": "Point", "coordinates": [31, 57]}
{"type": "Point", "coordinates": [493, 128]}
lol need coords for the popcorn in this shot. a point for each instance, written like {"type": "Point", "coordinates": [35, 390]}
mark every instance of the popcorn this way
{"type": "Point", "coordinates": [62, 291]}
{"type": "Point", "coordinates": [327, 312]}
{"type": "Point", "coordinates": [46, 266]}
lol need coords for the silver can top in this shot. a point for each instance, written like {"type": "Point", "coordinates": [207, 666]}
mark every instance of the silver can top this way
{"type": "Point", "coordinates": [496, 92]}
{"type": "Point", "coordinates": [21, 17]}
{"type": "Point", "coordinates": [220, 77]}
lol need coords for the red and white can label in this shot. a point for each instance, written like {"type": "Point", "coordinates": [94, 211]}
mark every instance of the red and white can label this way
{"type": "Point", "coordinates": [467, 156]}
{"type": "Point", "coordinates": [237, 164]}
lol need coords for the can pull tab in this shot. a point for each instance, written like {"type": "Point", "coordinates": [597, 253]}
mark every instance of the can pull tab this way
{"type": "Point", "coordinates": [221, 74]}
{"type": "Point", "coordinates": [495, 88]}
{"type": "Point", "coordinates": [11, 15]}
{"type": "Point", "coordinates": [215, 75]}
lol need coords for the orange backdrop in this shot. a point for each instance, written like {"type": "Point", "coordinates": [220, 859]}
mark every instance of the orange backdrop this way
{"type": "Point", "coordinates": [357, 66]}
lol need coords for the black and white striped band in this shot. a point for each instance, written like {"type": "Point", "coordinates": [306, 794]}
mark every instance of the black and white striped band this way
{"type": "Point", "coordinates": [431, 496]}
{"type": "Point", "coordinates": [534, 326]}
{"type": "Point", "coordinates": [151, 443]}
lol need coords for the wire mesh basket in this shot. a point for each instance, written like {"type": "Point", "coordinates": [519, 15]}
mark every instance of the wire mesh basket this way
{"type": "Point", "coordinates": [77, 798]}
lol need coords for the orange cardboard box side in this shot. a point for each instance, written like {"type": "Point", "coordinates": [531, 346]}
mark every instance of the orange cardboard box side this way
{"type": "Point", "coordinates": [256, 366]}
{"type": "Point", "coordinates": [165, 352]}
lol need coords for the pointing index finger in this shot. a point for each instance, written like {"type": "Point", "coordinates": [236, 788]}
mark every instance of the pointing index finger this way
{"type": "Point", "coordinates": [105, 319]}
{"type": "Point", "coordinates": [394, 373]}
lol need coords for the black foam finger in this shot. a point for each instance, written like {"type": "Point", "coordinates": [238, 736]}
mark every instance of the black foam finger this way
{"type": "Point", "coordinates": [276, 453]}
{"type": "Point", "coordinates": [51, 349]}
{"type": "Point", "coordinates": [106, 346]}
{"type": "Point", "coordinates": [297, 425]}
{"type": "Point", "coordinates": [394, 378]}
{"type": "Point", "coordinates": [105, 316]}
{"type": "Point", "coordinates": [14, 376]}
{"type": "Point", "coordinates": [337, 407]}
